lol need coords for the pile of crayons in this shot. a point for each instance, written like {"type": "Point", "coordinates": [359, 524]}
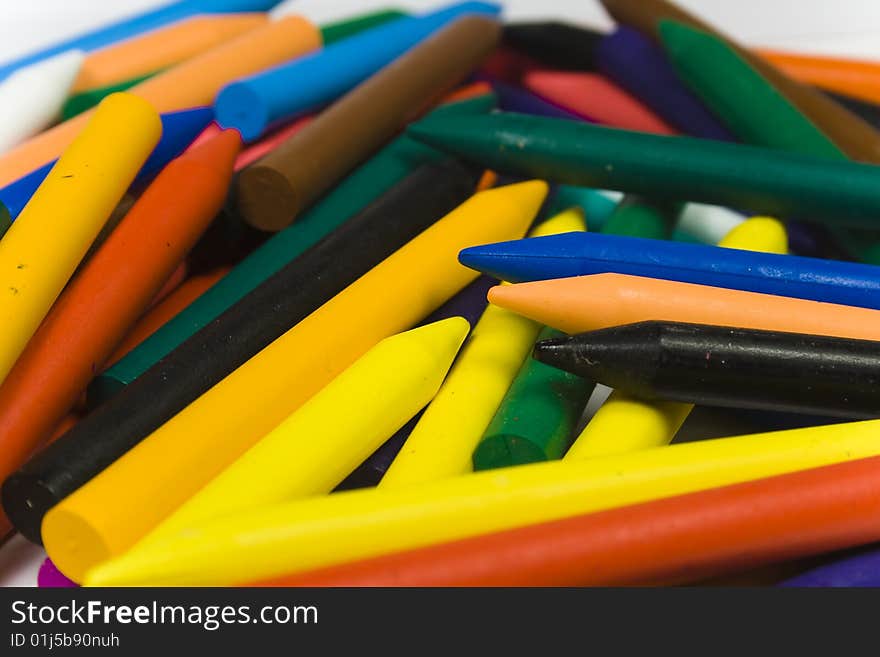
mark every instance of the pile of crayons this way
{"type": "Point", "coordinates": [298, 305]}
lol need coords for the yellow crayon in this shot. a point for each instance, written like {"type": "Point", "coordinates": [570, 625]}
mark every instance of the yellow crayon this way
{"type": "Point", "coordinates": [335, 431]}
{"type": "Point", "coordinates": [44, 246]}
{"type": "Point", "coordinates": [442, 442]}
{"type": "Point", "coordinates": [624, 423]}
{"type": "Point", "coordinates": [131, 497]}
{"type": "Point", "coordinates": [333, 529]}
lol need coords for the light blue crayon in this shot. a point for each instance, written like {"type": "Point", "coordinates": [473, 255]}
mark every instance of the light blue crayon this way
{"type": "Point", "coordinates": [256, 104]}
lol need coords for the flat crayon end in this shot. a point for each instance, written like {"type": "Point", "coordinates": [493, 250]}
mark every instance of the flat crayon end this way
{"type": "Point", "coordinates": [238, 106]}
{"type": "Point", "coordinates": [265, 198]}
{"type": "Point", "coordinates": [506, 450]}
{"type": "Point", "coordinates": [72, 543]}
{"type": "Point", "coordinates": [21, 493]}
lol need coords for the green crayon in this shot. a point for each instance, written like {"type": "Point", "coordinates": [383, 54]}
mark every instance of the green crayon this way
{"type": "Point", "coordinates": [351, 26]}
{"type": "Point", "coordinates": [636, 216]}
{"type": "Point", "coordinates": [5, 220]}
{"type": "Point", "coordinates": [364, 185]}
{"type": "Point", "coordinates": [752, 107]}
{"type": "Point", "coordinates": [664, 168]}
{"type": "Point", "coordinates": [537, 418]}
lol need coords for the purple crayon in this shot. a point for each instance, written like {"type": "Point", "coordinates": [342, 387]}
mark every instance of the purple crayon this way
{"type": "Point", "coordinates": [49, 577]}
{"type": "Point", "coordinates": [861, 570]}
{"type": "Point", "coordinates": [638, 65]}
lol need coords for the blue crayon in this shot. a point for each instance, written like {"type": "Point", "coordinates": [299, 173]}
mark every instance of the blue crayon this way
{"type": "Point", "coordinates": [638, 65]}
{"type": "Point", "coordinates": [256, 104]}
{"type": "Point", "coordinates": [136, 25]}
{"type": "Point", "coordinates": [580, 254]}
{"type": "Point", "coordinates": [521, 101]}
{"type": "Point", "coordinates": [179, 129]}
{"type": "Point", "coordinates": [861, 570]}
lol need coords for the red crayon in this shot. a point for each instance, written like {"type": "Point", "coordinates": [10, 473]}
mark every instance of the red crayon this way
{"type": "Point", "coordinates": [670, 541]}
{"type": "Point", "coordinates": [109, 294]}
{"type": "Point", "coordinates": [595, 98]}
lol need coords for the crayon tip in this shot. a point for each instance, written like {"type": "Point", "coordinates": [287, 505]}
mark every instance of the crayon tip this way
{"type": "Point", "coordinates": [442, 339]}
{"type": "Point", "coordinates": [557, 353]}
{"type": "Point", "coordinates": [451, 134]}
{"type": "Point", "coordinates": [528, 196]}
{"type": "Point", "coordinates": [679, 38]}
{"type": "Point", "coordinates": [218, 152]}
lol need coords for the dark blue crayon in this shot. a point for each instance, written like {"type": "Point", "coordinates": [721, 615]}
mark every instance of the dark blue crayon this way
{"type": "Point", "coordinates": [470, 304]}
{"type": "Point", "coordinates": [638, 65]}
{"type": "Point", "coordinates": [861, 570]}
{"type": "Point", "coordinates": [580, 254]}
{"type": "Point", "coordinates": [179, 129]}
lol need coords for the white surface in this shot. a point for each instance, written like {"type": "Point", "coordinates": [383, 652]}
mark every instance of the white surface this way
{"type": "Point", "coordinates": [844, 27]}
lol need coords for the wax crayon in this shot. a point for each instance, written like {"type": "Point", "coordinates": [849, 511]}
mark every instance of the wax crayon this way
{"type": "Point", "coordinates": [470, 303]}
{"type": "Point", "coordinates": [248, 327]}
{"type": "Point", "coordinates": [178, 131]}
{"type": "Point", "coordinates": [536, 419]}
{"type": "Point", "coordinates": [103, 161]}
{"type": "Point", "coordinates": [588, 303]}
{"type": "Point", "coordinates": [727, 367]}
{"type": "Point", "coordinates": [764, 234]}
{"type": "Point", "coordinates": [595, 98]}
{"type": "Point", "coordinates": [507, 65]}
{"type": "Point", "coordinates": [853, 135]}
{"type": "Point", "coordinates": [192, 83]}
{"type": "Point", "coordinates": [323, 531]}
{"type": "Point", "coordinates": [272, 192]}
{"type": "Point", "coordinates": [641, 217]}
{"type": "Point", "coordinates": [555, 44]}
{"type": "Point", "coordinates": [348, 27]}
{"type": "Point", "coordinates": [677, 540]}
{"type": "Point", "coordinates": [755, 110]}
{"type": "Point", "coordinates": [860, 570]}
{"type": "Point", "coordinates": [31, 97]}
{"type": "Point", "coordinates": [851, 77]}
{"type": "Point", "coordinates": [135, 25]}
{"type": "Point", "coordinates": [598, 206]}
{"type": "Point", "coordinates": [517, 99]}
{"type": "Point", "coordinates": [109, 294]}
{"type": "Point", "coordinates": [50, 577]}
{"type": "Point", "coordinates": [255, 104]}
{"type": "Point", "coordinates": [85, 100]}
{"type": "Point", "coordinates": [311, 451]}
{"type": "Point", "coordinates": [442, 442]}
{"type": "Point", "coordinates": [635, 63]}
{"type": "Point", "coordinates": [230, 417]}
{"type": "Point", "coordinates": [5, 219]}
{"type": "Point", "coordinates": [162, 312]}
{"type": "Point", "coordinates": [162, 48]}
{"type": "Point", "coordinates": [579, 254]}
{"type": "Point", "coordinates": [363, 186]}
{"type": "Point", "coordinates": [761, 180]}
{"type": "Point", "coordinates": [749, 105]}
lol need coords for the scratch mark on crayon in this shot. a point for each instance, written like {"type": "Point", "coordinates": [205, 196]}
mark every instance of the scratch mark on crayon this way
{"type": "Point", "coordinates": [69, 175]}
{"type": "Point", "coordinates": [14, 290]}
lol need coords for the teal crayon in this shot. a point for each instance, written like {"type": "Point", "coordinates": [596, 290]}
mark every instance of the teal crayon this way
{"type": "Point", "coordinates": [661, 167]}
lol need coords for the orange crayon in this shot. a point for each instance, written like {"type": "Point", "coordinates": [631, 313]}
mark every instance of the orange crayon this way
{"type": "Point", "coordinates": [588, 303]}
{"type": "Point", "coordinates": [851, 77]}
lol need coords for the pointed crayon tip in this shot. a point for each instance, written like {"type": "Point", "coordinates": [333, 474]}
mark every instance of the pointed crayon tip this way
{"type": "Point", "coordinates": [555, 352]}
{"type": "Point", "coordinates": [218, 152]}
{"type": "Point", "coordinates": [527, 196]}
{"type": "Point", "coordinates": [679, 38]}
{"type": "Point", "coordinates": [442, 339]}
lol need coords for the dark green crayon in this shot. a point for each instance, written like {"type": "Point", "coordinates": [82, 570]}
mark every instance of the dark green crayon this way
{"type": "Point", "coordinates": [5, 220]}
{"type": "Point", "coordinates": [664, 168]}
{"type": "Point", "coordinates": [351, 26]}
{"type": "Point", "coordinates": [753, 109]}
{"type": "Point", "coordinates": [363, 186]}
{"type": "Point", "coordinates": [636, 216]}
{"type": "Point", "coordinates": [86, 100]}
{"type": "Point", "coordinates": [537, 418]}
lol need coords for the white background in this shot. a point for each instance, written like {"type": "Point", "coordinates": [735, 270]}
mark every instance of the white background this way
{"type": "Point", "coordinates": [844, 27]}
